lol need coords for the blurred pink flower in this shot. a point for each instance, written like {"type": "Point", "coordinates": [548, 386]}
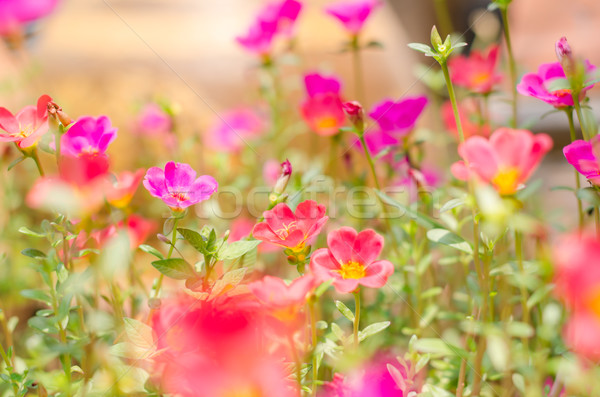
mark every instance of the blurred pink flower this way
{"type": "Point", "coordinates": [291, 229]}
{"type": "Point", "coordinates": [350, 260]}
{"type": "Point", "coordinates": [476, 72]}
{"type": "Point", "coordinates": [88, 135]}
{"type": "Point", "coordinates": [323, 109]}
{"type": "Point", "coordinates": [120, 191]}
{"type": "Point", "coordinates": [153, 120]}
{"type": "Point", "coordinates": [233, 129]}
{"type": "Point", "coordinates": [581, 334]}
{"type": "Point", "coordinates": [274, 293]}
{"type": "Point", "coordinates": [177, 185]}
{"type": "Point", "coordinates": [271, 170]}
{"type": "Point", "coordinates": [275, 18]}
{"type": "Point", "coordinates": [398, 117]}
{"type": "Point", "coordinates": [536, 85]}
{"type": "Point", "coordinates": [549, 384]}
{"type": "Point", "coordinates": [416, 180]}
{"type": "Point", "coordinates": [377, 141]}
{"type": "Point", "coordinates": [353, 13]}
{"type": "Point", "coordinates": [138, 230]}
{"type": "Point", "coordinates": [28, 126]}
{"type": "Point", "coordinates": [506, 160]}
{"type": "Point", "coordinates": [468, 119]}
{"type": "Point", "coordinates": [15, 13]}
{"type": "Point", "coordinates": [585, 157]}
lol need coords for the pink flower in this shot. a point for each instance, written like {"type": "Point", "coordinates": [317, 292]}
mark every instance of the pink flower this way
{"type": "Point", "coordinates": [377, 141]}
{"type": "Point", "coordinates": [416, 180]}
{"type": "Point", "coordinates": [153, 120]}
{"type": "Point", "coordinates": [398, 117]}
{"type": "Point", "coordinates": [506, 160]}
{"type": "Point", "coordinates": [88, 135]}
{"type": "Point", "coordinates": [468, 119]}
{"type": "Point", "coordinates": [120, 192]}
{"type": "Point", "coordinates": [581, 334]}
{"type": "Point", "coordinates": [274, 293]}
{"type": "Point", "coordinates": [28, 126]}
{"type": "Point", "coordinates": [15, 13]}
{"type": "Point", "coordinates": [242, 227]}
{"type": "Point", "coordinates": [291, 229]}
{"type": "Point", "coordinates": [477, 72]}
{"type": "Point", "coordinates": [585, 156]}
{"type": "Point", "coordinates": [351, 261]}
{"type": "Point", "coordinates": [353, 14]}
{"type": "Point", "coordinates": [323, 109]}
{"type": "Point", "coordinates": [271, 171]}
{"type": "Point", "coordinates": [233, 129]}
{"type": "Point", "coordinates": [177, 185]}
{"type": "Point", "coordinates": [275, 18]}
{"type": "Point", "coordinates": [536, 85]}
{"type": "Point", "coordinates": [138, 230]}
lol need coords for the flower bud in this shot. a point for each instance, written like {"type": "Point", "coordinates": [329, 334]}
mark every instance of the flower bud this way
{"type": "Point", "coordinates": [356, 114]}
{"type": "Point", "coordinates": [565, 55]}
{"type": "Point", "coordinates": [56, 111]}
{"type": "Point", "coordinates": [436, 39]}
{"type": "Point", "coordinates": [284, 177]}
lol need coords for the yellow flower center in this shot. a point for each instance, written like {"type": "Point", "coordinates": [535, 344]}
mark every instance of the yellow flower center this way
{"type": "Point", "coordinates": [26, 131]}
{"type": "Point", "coordinates": [352, 270]}
{"type": "Point", "coordinates": [594, 303]}
{"type": "Point", "coordinates": [562, 93]}
{"type": "Point", "coordinates": [480, 78]}
{"type": "Point", "coordinates": [246, 391]}
{"type": "Point", "coordinates": [327, 122]}
{"type": "Point", "coordinates": [506, 180]}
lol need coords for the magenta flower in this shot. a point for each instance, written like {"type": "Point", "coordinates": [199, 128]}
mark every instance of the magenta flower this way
{"type": "Point", "coordinates": [275, 294]}
{"type": "Point", "coordinates": [351, 261]}
{"type": "Point", "coordinates": [289, 229]}
{"type": "Point", "coordinates": [153, 120]}
{"type": "Point", "coordinates": [377, 141]}
{"type": "Point", "coordinates": [273, 19]}
{"type": "Point", "coordinates": [477, 72]}
{"type": "Point", "coordinates": [28, 126]}
{"type": "Point", "coordinates": [233, 129]}
{"type": "Point", "coordinates": [15, 13]}
{"type": "Point", "coordinates": [415, 180]}
{"type": "Point", "coordinates": [505, 161]}
{"type": "Point", "coordinates": [177, 185]}
{"type": "Point", "coordinates": [323, 109]}
{"type": "Point", "coordinates": [536, 85]}
{"type": "Point", "coordinates": [398, 117]}
{"type": "Point", "coordinates": [585, 156]}
{"type": "Point", "coordinates": [353, 14]}
{"type": "Point", "coordinates": [88, 135]}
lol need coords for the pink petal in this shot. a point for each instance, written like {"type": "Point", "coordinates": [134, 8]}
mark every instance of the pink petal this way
{"type": "Point", "coordinates": [479, 156]}
{"type": "Point", "coordinates": [341, 243]}
{"type": "Point", "coordinates": [8, 122]}
{"type": "Point", "coordinates": [377, 274]}
{"type": "Point", "coordinates": [367, 247]}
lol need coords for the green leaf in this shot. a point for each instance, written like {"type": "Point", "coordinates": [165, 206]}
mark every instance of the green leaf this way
{"type": "Point", "coordinates": [139, 334]}
{"type": "Point", "coordinates": [15, 162]}
{"type": "Point", "coordinates": [539, 295]}
{"type": "Point", "coordinates": [520, 330]}
{"type": "Point", "coordinates": [457, 202]}
{"type": "Point", "coordinates": [30, 232]}
{"type": "Point", "coordinates": [194, 238]}
{"type": "Point", "coordinates": [33, 253]}
{"type": "Point", "coordinates": [372, 330]}
{"type": "Point", "coordinates": [237, 249]}
{"type": "Point", "coordinates": [431, 292]}
{"type": "Point", "coordinates": [175, 268]}
{"type": "Point", "coordinates": [228, 281]}
{"type": "Point", "coordinates": [337, 331]}
{"type": "Point", "coordinates": [344, 310]}
{"type": "Point", "coordinates": [151, 250]}
{"type": "Point", "coordinates": [589, 195]}
{"type": "Point", "coordinates": [558, 84]}
{"type": "Point", "coordinates": [446, 237]}
{"type": "Point", "coordinates": [44, 325]}
{"type": "Point", "coordinates": [438, 346]}
{"type": "Point", "coordinates": [425, 49]}
{"type": "Point", "coordinates": [37, 295]}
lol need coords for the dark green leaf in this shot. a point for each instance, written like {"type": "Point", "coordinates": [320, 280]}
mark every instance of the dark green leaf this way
{"type": "Point", "coordinates": [33, 253]}
{"type": "Point", "coordinates": [237, 249]}
{"type": "Point", "coordinates": [194, 238]}
{"type": "Point", "coordinates": [151, 250]}
{"type": "Point", "coordinates": [175, 268]}
{"type": "Point", "coordinates": [37, 295]}
{"type": "Point", "coordinates": [446, 237]}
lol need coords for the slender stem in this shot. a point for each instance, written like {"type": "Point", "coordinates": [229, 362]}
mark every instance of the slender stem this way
{"type": "Point", "coordinates": [356, 316]}
{"type": "Point", "coordinates": [577, 105]}
{"type": "Point", "coordinates": [9, 368]}
{"type": "Point", "coordinates": [461, 377]}
{"type": "Point", "coordinates": [523, 289]}
{"type": "Point", "coordinates": [442, 14]}
{"type": "Point", "coordinates": [597, 220]}
{"type": "Point", "coordinates": [370, 161]}
{"type": "Point", "coordinates": [359, 89]}
{"type": "Point", "coordinates": [35, 157]}
{"type": "Point", "coordinates": [452, 95]}
{"type": "Point", "coordinates": [569, 113]}
{"type": "Point", "coordinates": [512, 64]}
{"type": "Point", "coordinates": [313, 329]}
{"type": "Point", "coordinates": [297, 362]}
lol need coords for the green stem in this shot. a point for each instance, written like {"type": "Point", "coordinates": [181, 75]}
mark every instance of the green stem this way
{"type": "Point", "coordinates": [452, 95]}
{"type": "Point", "coordinates": [523, 289]}
{"type": "Point", "coordinates": [577, 105]}
{"type": "Point", "coordinates": [442, 14]}
{"type": "Point", "coordinates": [313, 329]}
{"type": "Point", "coordinates": [9, 368]}
{"type": "Point", "coordinates": [173, 241]}
{"type": "Point", "coordinates": [297, 363]}
{"type": "Point", "coordinates": [35, 157]}
{"type": "Point", "coordinates": [569, 113]}
{"type": "Point", "coordinates": [356, 316]}
{"type": "Point", "coordinates": [512, 64]}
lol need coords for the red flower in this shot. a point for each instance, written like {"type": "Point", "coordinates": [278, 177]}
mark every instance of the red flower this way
{"type": "Point", "coordinates": [28, 126]}
{"type": "Point", "coordinates": [291, 229]}
{"type": "Point", "coordinates": [351, 261]}
{"type": "Point", "coordinates": [477, 71]}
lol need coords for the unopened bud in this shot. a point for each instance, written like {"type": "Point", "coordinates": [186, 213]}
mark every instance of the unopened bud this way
{"type": "Point", "coordinates": [436, 39]}
{"type": "Point", "coordinates": [356, 114]}
{"type": "Point", "coordinates": [56, 111]}
{"type": "Point", "coordinates": [565, 55]}
{"type": "Point", "coordinates": [284, 177]}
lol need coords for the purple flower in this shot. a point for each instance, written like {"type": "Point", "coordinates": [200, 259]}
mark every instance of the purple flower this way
{"type": "Point", "coordinates": [353, 14]}
{"type": "Point", "coordinates": [233, 129]}
{"type": "Point", "coordinates": [275, 18]}
{"type": "Point", "coordinates": [536, 84]}
{"type": "Point", "coordinates": [585, 156]}
{"type": "Point", "coordinates": [153, 120]}
{"type": "Point", "coordinates": [177, 185]}
{"type": "Point", "coordinates": [398, 117]}
{"type": "Point", "coordinates": [318, 84]}
{"type": "Point", "coordinates": [378, 141]}
{"type": "Point", "coordinates": [88, 135]}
